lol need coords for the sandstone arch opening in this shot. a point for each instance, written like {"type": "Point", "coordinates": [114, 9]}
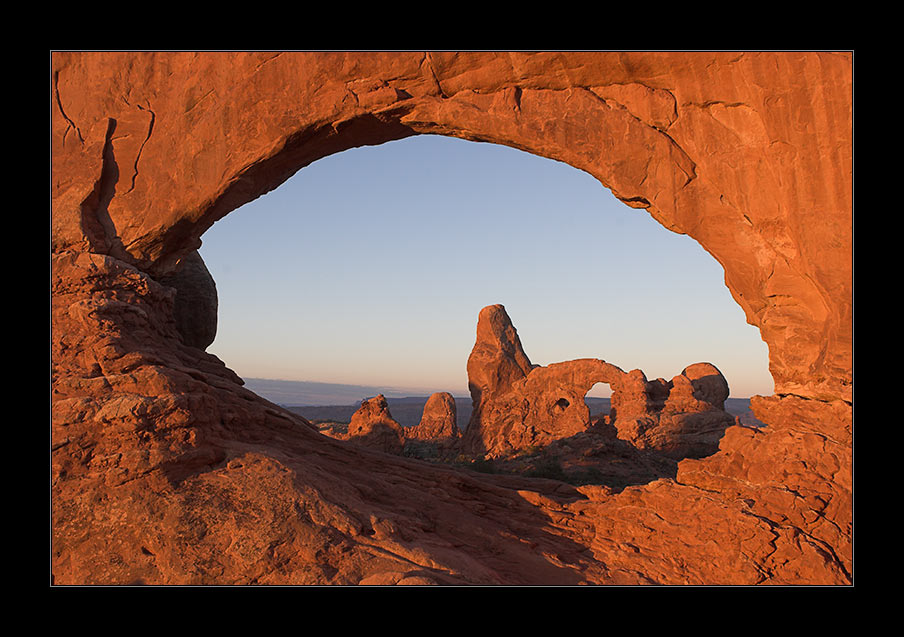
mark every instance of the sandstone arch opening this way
{"type": "Point", "coordinates": [598, 400]}
{"type": "Point", "coordinates": [359, 252]}
{"type": "Point", "coordinates": [159, 456]}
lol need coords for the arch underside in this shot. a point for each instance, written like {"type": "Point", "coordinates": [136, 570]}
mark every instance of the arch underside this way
{"type": "Point", "coordinates": [170, 143]}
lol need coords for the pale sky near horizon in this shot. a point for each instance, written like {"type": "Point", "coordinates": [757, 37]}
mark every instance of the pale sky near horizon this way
{"type": "Point", "coordinates": [370, 266]}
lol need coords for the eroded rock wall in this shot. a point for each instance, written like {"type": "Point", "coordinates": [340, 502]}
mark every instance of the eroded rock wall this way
{"type": "Point", "coordinates": [165, 470]}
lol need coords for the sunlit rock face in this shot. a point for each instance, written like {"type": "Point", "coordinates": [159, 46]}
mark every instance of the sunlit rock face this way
{"type": "Point", "coordinates": [438, 422]}
{"type": "Point", "coordinates": [372, 425]}
{"type": "Point", "coordinates": [518, 406]}
{"type": "Point", "coordinates": [166, 471]}
{"type": "Point", "coordinates": [682, 418]}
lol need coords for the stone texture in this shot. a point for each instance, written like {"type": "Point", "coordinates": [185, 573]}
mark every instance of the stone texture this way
{"type": "Point", "coordinates": [545, 405]}
{"type": "Point", "coordinates": [438, 422]}
{"type": "Point", "coordinates": [149, 149]}
{"type": "Point", "coordinates": [497, 359]}
{"type": "Point", "coordinates": [682, 418]}
{"type": "Point", "coordinates": [372, 425]}
{"type": "Point", "coordinates": [518, 407]}
{"type": "Point", "coordinates": [195, 305]}
{"type": "Point", "coordinates": [166, 471]}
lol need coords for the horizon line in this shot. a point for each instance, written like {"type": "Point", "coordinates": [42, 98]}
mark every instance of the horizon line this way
{"type": "Point", "coordinates": [405, 388]}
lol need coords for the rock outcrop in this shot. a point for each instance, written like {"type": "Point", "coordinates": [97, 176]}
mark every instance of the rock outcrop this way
{"type": "Point", "coordinates": [373, 426]}
{"type": "Point", "coordinates": [437, 435]}
{"type": "Point", "coordinates": [683, 418]}
{"type": "Point", "coordinates": [438, 422]}
{"type": "Point", "coordinates": [497, 359]}
{"type": "Point", "coordinates": [165, 470]}
{"type": "Point", "coordinates": [523, 406]}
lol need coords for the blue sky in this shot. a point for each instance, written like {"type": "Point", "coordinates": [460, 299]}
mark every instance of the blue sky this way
{"type": "Point", "coordinates": [370, 267]}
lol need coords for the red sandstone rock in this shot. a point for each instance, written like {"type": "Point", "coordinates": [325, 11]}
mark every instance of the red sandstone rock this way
{"type": "Point", "coordinates": [682, 418]}
{"type": "Point", "coordinates": [546, 405]}
{"type": "Point", "coordinates": [166, 471]}
{"type": "Point", "coordinates": [674, 133]}
{"type": "Point", "coordinates": [497, 359]}
{"type": "Point", "coordinates": [709, 386]}
{"type": "Point", "coordinates": [373, 426]}
{"type": "Point", "coordinates": [438, 422]}
{"type": "Point", "coordinates": [195, 305]}
{"type": "Point", "coordinates": [533, 406]}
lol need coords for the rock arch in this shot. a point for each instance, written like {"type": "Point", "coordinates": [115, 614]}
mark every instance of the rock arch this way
{"type": "Point", "coordinates": [518, 405]}
{"type": "Point", "coordinates": [748, 153]}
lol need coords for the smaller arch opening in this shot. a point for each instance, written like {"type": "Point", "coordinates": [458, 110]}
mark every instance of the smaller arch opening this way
{"type": "Point", "coordinates": [599, 401]}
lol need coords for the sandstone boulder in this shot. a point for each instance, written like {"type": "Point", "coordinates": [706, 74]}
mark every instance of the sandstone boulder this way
{"type": "Point", "coordinates": [438, 422]}
{"type": "Point", "coordinates": [373, 426]}
{"type": "Point", "coordinates": [195, 305]}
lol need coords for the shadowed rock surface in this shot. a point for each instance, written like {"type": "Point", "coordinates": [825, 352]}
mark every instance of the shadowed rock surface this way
{"type": "Point", "coordinates": [165, 470]}
{"type": "Point", "coordinates": [682, 418]}
{"type": "Point", "coordinates": [373, 426]}
{"type": "Point", "coordinates": [195, 306]}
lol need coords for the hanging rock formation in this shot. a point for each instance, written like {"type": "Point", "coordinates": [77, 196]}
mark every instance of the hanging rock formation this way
{"type": "Point", "coordinates": [195, 305]}
{"type": "Point", "coordinates": [165, 470]}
